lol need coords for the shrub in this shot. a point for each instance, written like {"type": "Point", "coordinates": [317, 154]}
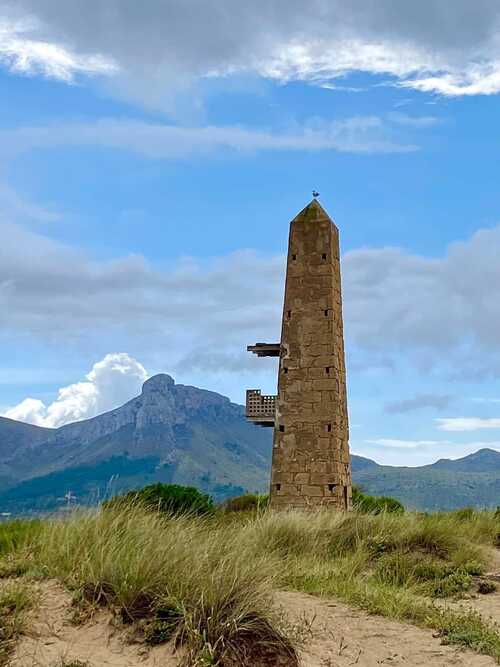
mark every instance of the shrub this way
{"type": "Point", "coordinates": [485, 587]}
{"type": "Point", "coordinates": [168, 498]}
{"type": "Point", "coordinates": [452, 584]}
{"type": "Point", "coordinates": [249, 502]}
{"type": "Point", "coordinates": [438, 578]}
{"type": "Point", "coordinates": [375, 504]}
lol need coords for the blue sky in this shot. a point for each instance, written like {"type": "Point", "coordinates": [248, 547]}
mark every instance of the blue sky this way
{"type": "Point", "coordinates": [149, 167]}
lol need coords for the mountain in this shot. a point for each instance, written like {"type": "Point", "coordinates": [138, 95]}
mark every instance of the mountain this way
{"type": "Point", "coordinates": [14, 437]}
{"type": "Point", "coordinates": [362, 464]}
{"type": "Point", "coordinates": [473, 480]}
{"type": "Point", "coordinates": [15, 434]}
{"type": "Point", "coordinates": [170, 433]}
{"type": "Point", "coordinates": [484, 460]}
{"type": "Point", "coordinates": [179, 434]}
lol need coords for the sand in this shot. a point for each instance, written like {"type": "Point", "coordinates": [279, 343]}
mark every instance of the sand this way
{"type": "Point", "coordinates": [51, 638]}
{"type": "Point", "coordinates": [334, 634]}
{"type": "Point", "coordinates": [343, 636]}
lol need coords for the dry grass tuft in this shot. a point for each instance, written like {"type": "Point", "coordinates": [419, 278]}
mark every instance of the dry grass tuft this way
{"type": "Point", "coordinates": [194, 584]}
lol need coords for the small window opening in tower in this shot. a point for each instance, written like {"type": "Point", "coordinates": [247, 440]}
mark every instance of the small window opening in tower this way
{"type": "Point", "coordinates": [326, 313]}
{"type": "Point", "coordinates": [327, 369]}
{"type": "Point", "coordinates": [285, 370]}
{"type": "Point", "coordinates": [282, 428]}
{"type": "Point", "coordinates": [345, 497]}
{"type": "Point", "coordinates": [278, 487]}
{"type": "Point", "coordinates": [331, 487]}
{"type": "Point", "coordinates": [323, 256]}
{"type": "Point", "coordinates": [289, 314]}
{"type": "Point", "coordinates": [294, 257]}
{"type": "Point", "coordinates": [329, 428]}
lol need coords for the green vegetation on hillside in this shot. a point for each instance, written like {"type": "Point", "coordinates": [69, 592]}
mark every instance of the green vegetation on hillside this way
{"type": "Point", "coordinates": [248, 502]}
{"type": "Point", "coordinates": [431, 488]}
{"type": "Point", "coordinates": [374, 504]}
{"type": "Point", "coordinates": [207, 582]}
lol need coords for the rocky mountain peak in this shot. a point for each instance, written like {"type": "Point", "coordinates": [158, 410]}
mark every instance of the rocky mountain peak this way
{"type": "Point", "coordinates": [160, 383]}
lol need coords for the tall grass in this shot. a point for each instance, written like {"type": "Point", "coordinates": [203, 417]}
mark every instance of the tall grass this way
{"type": "Point", "coordinates": [15, 540]}
{"type": "Point", "coordinates": [192, 582]}
{"type": "Point", "coordinates": [388, 564]}
{"type": "Point", "coordinates": [207, 583]}
{"type": "Point", "coordinates": [14, 534]}
{"type": "Point", "coordinates": [15, 600]}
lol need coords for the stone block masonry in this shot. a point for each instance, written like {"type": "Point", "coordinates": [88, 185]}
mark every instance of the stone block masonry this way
{"type": "Point", "coordinates": [310, 463]}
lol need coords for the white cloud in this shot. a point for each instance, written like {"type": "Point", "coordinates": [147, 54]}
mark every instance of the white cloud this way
{"type": "Point", "coordinates": [413, 121]}
{"type": "Point", "coordinates": [474, 79]}
{"type": "Point", "coordinates": [463, 424]}
{"type": "Point", "coordinates": [406, 444]}
{"type": "Point", "coordinates": [161, 48]}
{"type": "Point", "coordinates": [393, 451]}
{"type": "Point", "coordinates": [160, 141]}
{"type": "Point", "coordinates": [14, 206]}
{"type": "Point", "coordinates": [24, 55]}
{"type": "Point", "coordinates": [412, 65]}
{"type": "Point", "coordinates": [30, 410]}
{"type": "Point", "coordinates": [112, 381]}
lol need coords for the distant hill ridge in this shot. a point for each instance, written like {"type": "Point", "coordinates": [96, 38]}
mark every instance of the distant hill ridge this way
{"type": "Point", "coordinates": [182, 434]}
{"type": "Point", "coordinates": [484, 460]}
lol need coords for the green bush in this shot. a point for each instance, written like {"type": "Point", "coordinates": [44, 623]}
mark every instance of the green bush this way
{"type": "Point", "coordinates": [168, 498]}
{"type": "Point", "coordinates": [453, 584]}
{"type": "Point", "coordinates": [366, 504]}
{"type": "Point", "coordinates": [249, 502]}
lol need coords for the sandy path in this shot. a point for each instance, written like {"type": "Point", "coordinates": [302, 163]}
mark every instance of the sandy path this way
{"type": "Point", "coordinates": [339, 636]}
{"type": "Point", "coordinates": [343, 636]}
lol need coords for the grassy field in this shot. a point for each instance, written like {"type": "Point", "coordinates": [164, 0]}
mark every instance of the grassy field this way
{"type": "Point", "coordinates": [207, 583]}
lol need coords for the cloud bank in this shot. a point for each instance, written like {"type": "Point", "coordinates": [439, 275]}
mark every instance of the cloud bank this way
{"type": "Point", "coordinates": [156, 50]}
{"type": "Point", "coordinates": [429, 311]}
{"type": "Point", "coordinates": [112, 381]}
{"type": "Point", "coordinates": [25, 55]}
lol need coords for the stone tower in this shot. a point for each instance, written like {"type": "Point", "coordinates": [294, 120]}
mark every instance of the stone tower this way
{"type": "Point", "coordinates": [311, 465]}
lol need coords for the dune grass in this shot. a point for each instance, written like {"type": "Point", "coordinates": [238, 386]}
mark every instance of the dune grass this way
{"type": "Point", "coordinates": [389, 564]}
{"type": "Point", "coordinates": [16, 599]}
{"type": "Point", "coordinates": [192, 583]}
{"type": "Point", "coordinates": [207, 583]}
{"type": "Point", "coordinates": [13, 534]}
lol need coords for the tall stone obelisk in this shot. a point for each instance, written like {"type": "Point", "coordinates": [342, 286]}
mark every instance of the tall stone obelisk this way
{"type": "Point", "coordinates": [311, 464]}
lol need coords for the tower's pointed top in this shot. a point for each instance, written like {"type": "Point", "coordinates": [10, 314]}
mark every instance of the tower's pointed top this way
{"type": "Point", "coordinates": [312, 212]}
